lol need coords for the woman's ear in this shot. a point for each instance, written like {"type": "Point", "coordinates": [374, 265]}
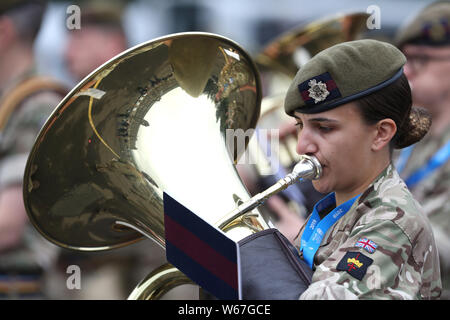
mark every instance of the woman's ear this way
{"type": "Point", "coordinates": [385, 131]}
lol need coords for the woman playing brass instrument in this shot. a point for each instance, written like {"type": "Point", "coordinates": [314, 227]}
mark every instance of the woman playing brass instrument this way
{"type": "Point", "coordinates": [368, 238]}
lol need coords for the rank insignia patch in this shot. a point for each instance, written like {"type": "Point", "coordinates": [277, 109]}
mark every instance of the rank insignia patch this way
{"type": "Point", "coordinates": [366, 244]}
{"type": "Point", "coordinates": [355, 264]}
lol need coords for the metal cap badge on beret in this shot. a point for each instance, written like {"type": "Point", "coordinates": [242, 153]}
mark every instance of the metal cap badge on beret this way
{"type": "Point", "coordinates": [343, 73]}
{"type": "Point", "coordinates": [430, 27]}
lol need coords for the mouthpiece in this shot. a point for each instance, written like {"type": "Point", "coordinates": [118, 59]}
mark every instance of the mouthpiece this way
{"type": "Point", "coordinates": [308, 168]}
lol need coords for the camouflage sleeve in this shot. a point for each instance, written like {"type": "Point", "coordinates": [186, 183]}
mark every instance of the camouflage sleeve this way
{"type": "Point", "coordinates": [20, 133]}
{"type": "Point", "coordinates": [354, 273]}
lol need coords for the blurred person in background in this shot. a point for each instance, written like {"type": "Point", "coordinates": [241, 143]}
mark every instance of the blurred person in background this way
{"type": "Point", "coordinates": [425, 41]}
{"type": "Point", "coordinates": [100, 38]}
{"type": "Point", "coordinates": [26, 101]}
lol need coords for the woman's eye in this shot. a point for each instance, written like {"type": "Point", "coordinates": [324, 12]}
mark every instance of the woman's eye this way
{"type": "Point", "coordinates": [325, 129]}
{"type": "Point", "coordinates": [299, 125]}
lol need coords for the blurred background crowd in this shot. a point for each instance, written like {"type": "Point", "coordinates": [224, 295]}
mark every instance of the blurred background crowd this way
{"type": "Point", "coordinates": [251, 23]}
{"type": "Point", "coordinates": [107, 28]}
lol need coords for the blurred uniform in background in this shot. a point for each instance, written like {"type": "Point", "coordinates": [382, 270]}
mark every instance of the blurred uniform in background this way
{"type": "Point", "coordinates": [425, 167]}
{"type": "Point", "coordinates": [108, 274]}
{"type": "Point", "coordinates": [26, 101]}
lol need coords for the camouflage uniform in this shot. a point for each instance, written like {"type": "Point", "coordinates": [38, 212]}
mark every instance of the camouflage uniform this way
{"type": "Point", "coordinates": [22, 267]}
{"type": "Point", "coordinates": [433, 194]}
{"type": "Point", "coordinates": [405, 262]}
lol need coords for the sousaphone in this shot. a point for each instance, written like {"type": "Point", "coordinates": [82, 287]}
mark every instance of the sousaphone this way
{"type": "Point", "coordinates": [151, 120]}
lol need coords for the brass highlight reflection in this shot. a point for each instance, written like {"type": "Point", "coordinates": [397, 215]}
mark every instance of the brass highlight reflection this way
{"type": "Point", "coordinates": [91, 122]}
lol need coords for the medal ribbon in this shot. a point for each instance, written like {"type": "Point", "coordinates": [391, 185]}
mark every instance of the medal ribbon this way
{"type": "Point", "coordinates": [438, 159]}
{"type": "Point", "coordinates": [316, 228]}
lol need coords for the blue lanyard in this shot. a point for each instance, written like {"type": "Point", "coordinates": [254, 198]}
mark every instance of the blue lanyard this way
{"type": "Point", "coordinates": [438, 159]}
{"type": "Point", "coordinates": [403, 158]}
{"type": "Point", "coordinates": [316, 228]}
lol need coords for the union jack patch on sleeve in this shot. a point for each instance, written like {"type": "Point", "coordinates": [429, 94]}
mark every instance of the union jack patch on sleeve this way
{"type": "Point", "coordinates": [366, 244]}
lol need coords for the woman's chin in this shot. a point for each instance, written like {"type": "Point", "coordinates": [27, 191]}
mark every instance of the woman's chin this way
{"type": "Point", "coordinates": [322, 186]}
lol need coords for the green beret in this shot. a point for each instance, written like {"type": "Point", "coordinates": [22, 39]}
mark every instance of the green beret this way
{"type": "Point", "coordinates": [430, 27]}
{"type": "Point", "coordinates": [6, 5]}
{"type": "Point", "coordinates": [343, 73]}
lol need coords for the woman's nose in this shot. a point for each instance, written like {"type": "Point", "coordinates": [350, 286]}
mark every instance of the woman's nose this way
{"type": "Point", "coordinates": [306, 143]}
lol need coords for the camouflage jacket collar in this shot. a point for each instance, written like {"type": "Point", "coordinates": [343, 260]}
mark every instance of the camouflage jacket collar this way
{"type": "Point", "coordinates": [375, 188]}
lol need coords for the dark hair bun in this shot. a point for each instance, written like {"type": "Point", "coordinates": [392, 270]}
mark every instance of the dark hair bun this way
{"type": "Point", "coordinates": [413, 130]}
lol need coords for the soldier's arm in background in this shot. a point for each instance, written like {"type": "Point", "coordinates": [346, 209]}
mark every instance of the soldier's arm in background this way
{"type": "Point", "coordinates": [17, 140]}
{"type": "Point", "coordinates": [433, 194]}
{"type": "Point", "coordinates": [390, 272]}
{"type": "Point", "coordinates": [436, 205]}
